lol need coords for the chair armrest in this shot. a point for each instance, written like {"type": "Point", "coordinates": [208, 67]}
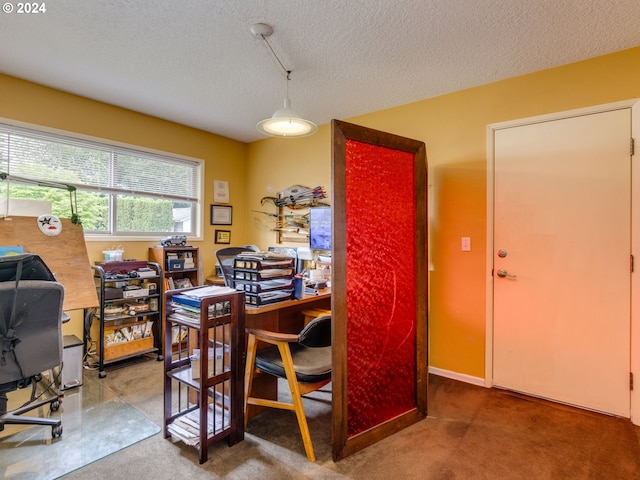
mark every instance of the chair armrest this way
{"type": "Point", "coordinates": [273, 336]}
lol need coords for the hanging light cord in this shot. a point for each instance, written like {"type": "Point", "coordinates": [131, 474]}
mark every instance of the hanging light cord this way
{"type": "Point", "coordinates": [284, 69]}
{"type": "Point", "coordinates": [285, 122]}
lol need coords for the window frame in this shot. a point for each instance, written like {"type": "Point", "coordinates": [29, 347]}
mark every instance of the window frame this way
{"type": "Point", "coordinates": [120, 148]}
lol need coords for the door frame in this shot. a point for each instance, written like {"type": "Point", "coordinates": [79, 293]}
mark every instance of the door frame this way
{"type": "Point", "coordinates": [634, 361]}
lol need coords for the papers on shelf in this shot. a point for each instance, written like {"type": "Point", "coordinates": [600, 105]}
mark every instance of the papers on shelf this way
{"type": "Point", "coordinates": [275, 272]}
{"type": "Point", "coordinates": [187, 427]}
{"type": "Point", "coordinates": [208, 291]}
{"type": "Point", "coordinates": [270, 296]}
{"type": "Point", "coordinates": [276, 283]}
{"type": "Point", "coordinates": [184, 317]}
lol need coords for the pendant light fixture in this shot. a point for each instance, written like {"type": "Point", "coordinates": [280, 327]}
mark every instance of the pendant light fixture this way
{"type": "Point", "coordinates": [285, 122]}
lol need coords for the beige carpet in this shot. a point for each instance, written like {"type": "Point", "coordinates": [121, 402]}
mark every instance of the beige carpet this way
{"type": "Point", "coordinates": [470, 433]}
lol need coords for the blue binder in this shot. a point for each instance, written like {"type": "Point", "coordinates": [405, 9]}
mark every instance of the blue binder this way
{"type": "Point", "coordinates": [186, 300]}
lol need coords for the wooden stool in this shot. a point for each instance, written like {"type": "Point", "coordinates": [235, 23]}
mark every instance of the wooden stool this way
{"type": "Point", "coordinates": [312, 313]}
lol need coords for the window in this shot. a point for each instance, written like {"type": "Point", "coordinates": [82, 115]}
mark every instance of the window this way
{"type": "Point", "coordinates": [119, 191]}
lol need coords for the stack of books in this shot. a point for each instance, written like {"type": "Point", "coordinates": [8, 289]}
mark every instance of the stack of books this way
{"type": "Point", "coordinates": [186, 306]}
{"type": "Point", "coordinates": [188, 259]}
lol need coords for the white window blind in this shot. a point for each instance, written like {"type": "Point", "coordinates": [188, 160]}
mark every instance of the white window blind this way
{"type": "Point", "coordinates": [99, 168]}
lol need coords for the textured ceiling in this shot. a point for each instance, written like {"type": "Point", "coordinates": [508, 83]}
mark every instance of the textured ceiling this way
{"type": "Point", "coordinates": [196, 62]}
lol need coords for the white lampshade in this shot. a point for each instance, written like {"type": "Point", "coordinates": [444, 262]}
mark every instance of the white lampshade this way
{"type": "Point", "coordinates": [286, 123]}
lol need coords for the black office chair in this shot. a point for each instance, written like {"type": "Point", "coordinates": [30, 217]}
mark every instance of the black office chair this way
{"type": "Point", "coordinates": [304, 360]}
{"type": "Point", "coordinates": [225, 257]}
{"type": "Point", "coordinates": [31, 337]}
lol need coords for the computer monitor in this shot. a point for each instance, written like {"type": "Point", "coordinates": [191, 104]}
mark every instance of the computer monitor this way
{"type": "Point", "coordinates": [320, 228]}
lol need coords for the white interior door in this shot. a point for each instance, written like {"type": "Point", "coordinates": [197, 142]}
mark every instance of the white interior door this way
{"type": "Point", "coordinates": [561, 278]}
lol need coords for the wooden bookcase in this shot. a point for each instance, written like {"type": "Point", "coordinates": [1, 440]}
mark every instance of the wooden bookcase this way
{"type": "Point", "coordinates": [208, 391]}
{"type": "Point", "coordinates": [180, 265]}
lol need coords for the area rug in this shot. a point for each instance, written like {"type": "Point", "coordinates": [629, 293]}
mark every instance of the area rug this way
{"type": "Point", "coordinates": [95, 422]}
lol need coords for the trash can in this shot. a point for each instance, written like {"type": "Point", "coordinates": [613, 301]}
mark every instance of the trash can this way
{"type": "Point", "coordinates": [71, 362]}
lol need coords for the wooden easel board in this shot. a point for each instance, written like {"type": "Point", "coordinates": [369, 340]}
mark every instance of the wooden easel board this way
{"type": "Point", "coordinates": [65, 255]}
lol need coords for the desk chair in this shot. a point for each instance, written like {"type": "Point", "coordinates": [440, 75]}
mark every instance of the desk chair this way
{"type": "Point", "coordinates": [304, 360]}
{"type": "Point", "coordinates": [30, 337]}
{"type": "Point", "coordinates": [225, 257]}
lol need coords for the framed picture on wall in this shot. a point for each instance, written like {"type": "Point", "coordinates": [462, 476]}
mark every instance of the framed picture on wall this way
{"type": "Point", "coordinates": [221, 214]}
{"type": "Point", "coordinates": [223, 236]}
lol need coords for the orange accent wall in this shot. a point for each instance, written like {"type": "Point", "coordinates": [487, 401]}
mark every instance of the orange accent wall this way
{"type": "Point", "coordinates": [454, 128]}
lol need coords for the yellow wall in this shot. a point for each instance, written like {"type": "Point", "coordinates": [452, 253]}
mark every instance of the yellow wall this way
{"type": "Point", "coordinates": [224, 158]}
{"type": "Point", "coordinates": [454, 128]}
{"type": "Point", "coordinates": [275, 164]}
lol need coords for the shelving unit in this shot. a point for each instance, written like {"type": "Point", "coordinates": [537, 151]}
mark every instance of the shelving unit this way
{"type": "Point", "coordinates": [129, 313]}
{"type": "Point", "coordinates": [181, 266]}
{"type": "Point", "coordinates": [264, 277]}
{"type": "Point", "coordinates": [214, 326]}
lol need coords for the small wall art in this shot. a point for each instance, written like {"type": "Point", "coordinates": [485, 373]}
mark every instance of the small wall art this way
{"type": "Point", "coordinates": [221, 214]}
{"type": "Point", "coordinates": [223, 236]}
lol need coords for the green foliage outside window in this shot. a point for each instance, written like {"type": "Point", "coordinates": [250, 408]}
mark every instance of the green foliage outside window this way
{"type": "Point", "coordinates": [135, 214]}
{"type": "Point", "coordinates": [144, 215]}
{"type": "Point", "coordinates": [119, 190]}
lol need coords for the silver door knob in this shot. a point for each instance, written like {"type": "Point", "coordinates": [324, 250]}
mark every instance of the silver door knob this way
{"type": "Point", "coordinates": [502, 273]}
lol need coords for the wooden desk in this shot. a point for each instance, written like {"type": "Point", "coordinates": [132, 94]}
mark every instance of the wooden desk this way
{"type": "Point", "coordinates": [285, 317]}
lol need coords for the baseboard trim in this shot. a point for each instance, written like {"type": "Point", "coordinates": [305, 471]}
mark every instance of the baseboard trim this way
{"type": "Point", "coordinates": [457, 376]}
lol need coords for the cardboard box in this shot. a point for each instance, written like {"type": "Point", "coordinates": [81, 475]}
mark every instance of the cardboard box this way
{"type": "Point", "coordinates": [215, 367]}
{"type": "Point", "coordinates": [124, 349]}
{"type": "Point", "coordinates": [137, 307]}
{"type": "Point", "coordinates": [138, 292]}
{"type": "Point", "coordinates": [111, 293]}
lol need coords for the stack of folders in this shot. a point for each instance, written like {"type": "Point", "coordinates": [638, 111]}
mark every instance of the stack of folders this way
{"type": "Point", "coordinates": [208, 291]}
{"type": "Point", "coordinates": [186, 306]}
{"type": "Point", "coordinates": [186, 310]}
{"type": "Point", "coordinates": [188, 259]}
